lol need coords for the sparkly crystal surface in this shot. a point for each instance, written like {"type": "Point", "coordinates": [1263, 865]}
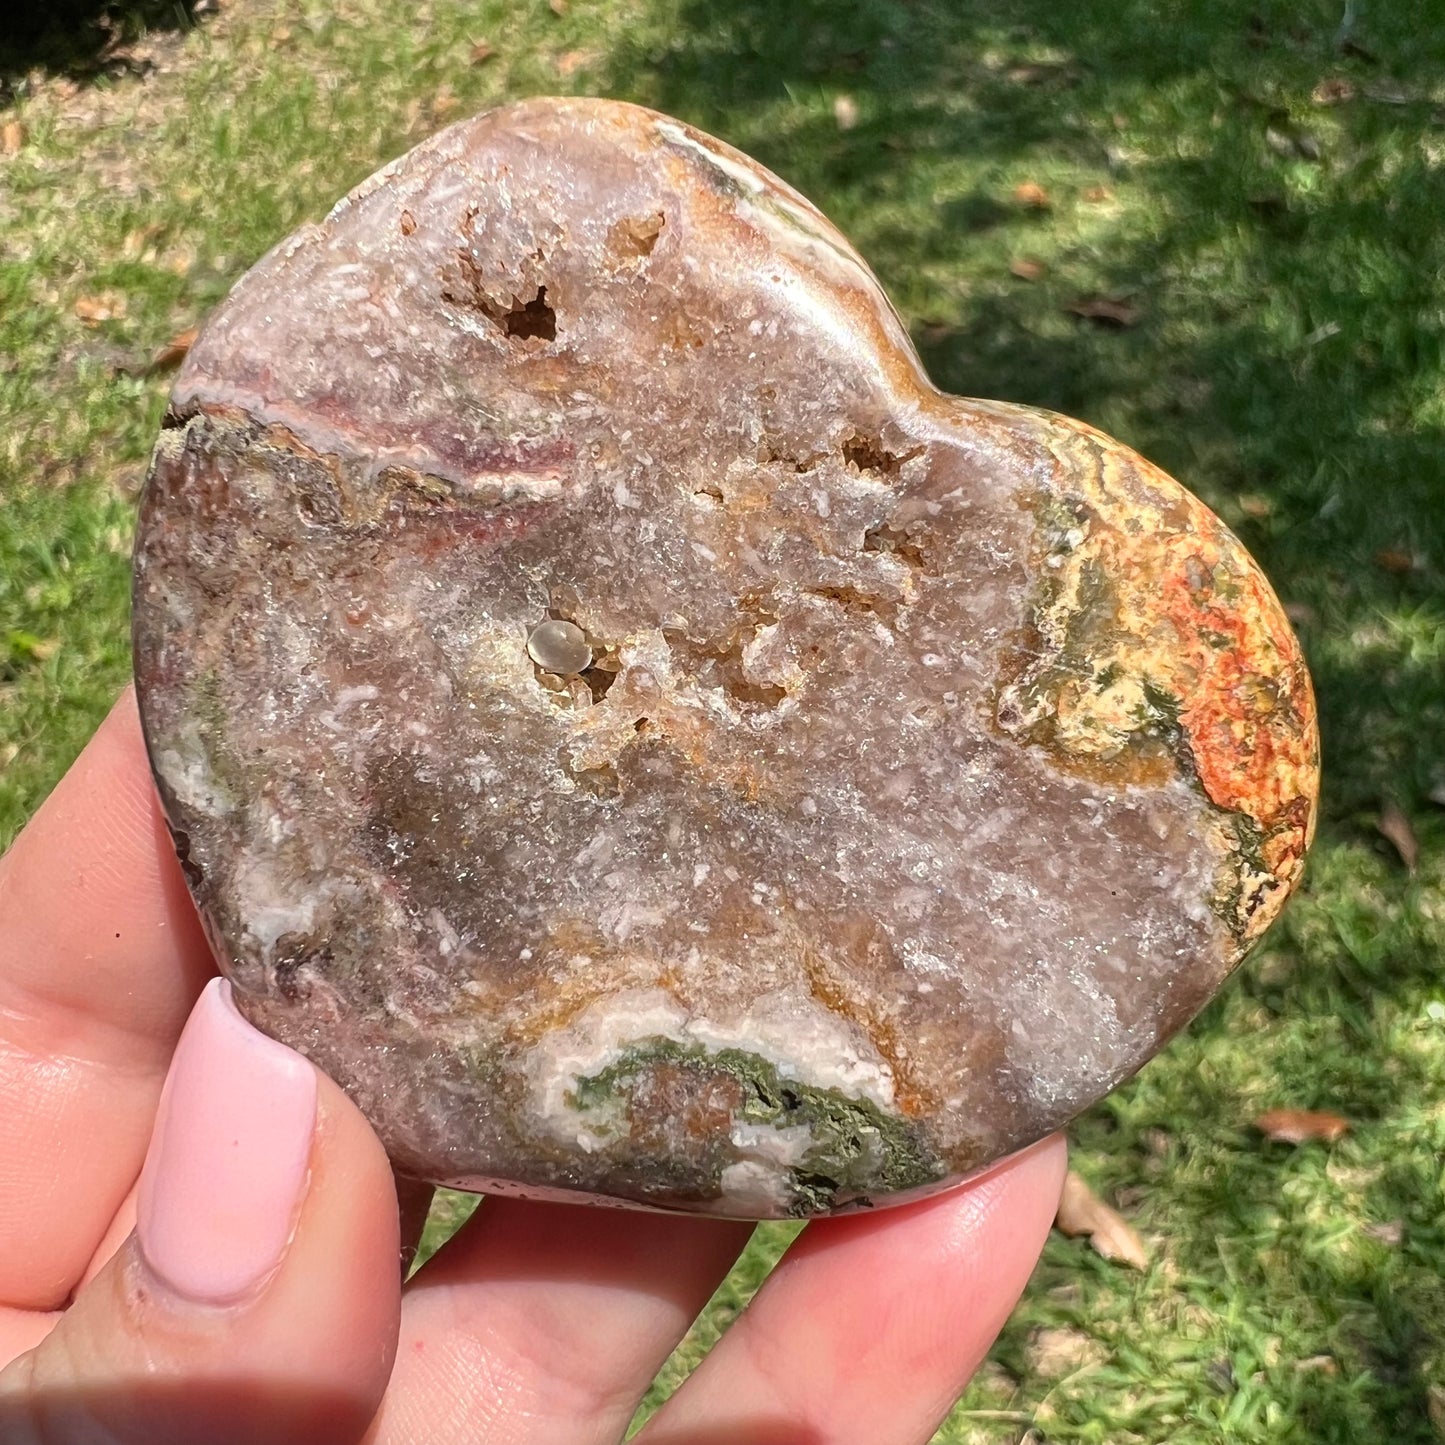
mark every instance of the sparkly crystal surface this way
{"type": "Point", "coordinates": [644, 741]}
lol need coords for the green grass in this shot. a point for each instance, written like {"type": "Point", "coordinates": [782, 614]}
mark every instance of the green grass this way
{"type": "Point", "coordinates": [1285, 260]}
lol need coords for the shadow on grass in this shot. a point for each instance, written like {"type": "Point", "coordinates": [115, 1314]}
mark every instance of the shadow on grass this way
{"type": "Point", "coordinates": [79, 38]}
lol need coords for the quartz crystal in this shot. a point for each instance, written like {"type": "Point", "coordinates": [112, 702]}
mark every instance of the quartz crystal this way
{"type": "Point", "coordinates": [646, 743]}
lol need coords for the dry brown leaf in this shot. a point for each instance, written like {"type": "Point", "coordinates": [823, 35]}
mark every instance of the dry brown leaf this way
{"type": "Point", "coordinates": [173, 352]}
{"type": "Point", "coordinates": [1333, 90]}
{"type": "Point", "coordinates": [1395, 828]}
{"type": "Point", "coordinates": [845, 111]}
{"type": "Point", "coordinates": [571, 61]}
{"type": "Point", "coordinates": [1031, 194]}
{"type": "Point", "coordinates": [1396, 560]}
{"type": "Point", "coordinates": [1325, 1364]}
{"type": "Point", "coordinates": [481, 52]}
{"type": "Point", "coordinates": [557, 7]}
{"type": "Point", "coordinates": [12, 137]}
{"type": "Point", "coordinates": [1026, 268]}
{"type": "Point", "coordinates": [1117, 311]}
{"type": "Point", "coordinates": [1096, 195]}
{"type": "Point", "coordinates": [1253, 505]}
{"type": "Point", "coordinates": [106, 306]}
{"type": "Point", "coordinates": [1082, 1212]}
{"type": "Point", "coordinates": [1302, 1126]}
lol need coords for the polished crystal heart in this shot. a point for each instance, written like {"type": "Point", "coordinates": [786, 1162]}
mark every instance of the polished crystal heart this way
{"type": "Point", "coordinates": [644, 741]}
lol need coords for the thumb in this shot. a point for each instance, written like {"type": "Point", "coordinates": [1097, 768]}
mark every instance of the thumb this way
{"type": "Point", "coordinates": [258, 1297]}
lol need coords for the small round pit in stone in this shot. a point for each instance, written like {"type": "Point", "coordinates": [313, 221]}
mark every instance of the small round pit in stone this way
{"type": "Point", "coordinates": [559, 646]}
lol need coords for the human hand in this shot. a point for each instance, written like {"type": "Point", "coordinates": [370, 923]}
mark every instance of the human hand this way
{"type": "Point", "coordinates": [218, 1261]}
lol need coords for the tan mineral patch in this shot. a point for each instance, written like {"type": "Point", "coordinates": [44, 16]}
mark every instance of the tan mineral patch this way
{"type": "Point", "coordinates": [1153, 616]}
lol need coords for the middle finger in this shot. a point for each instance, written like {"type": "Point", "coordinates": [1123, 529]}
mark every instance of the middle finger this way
{"type": "Point", "coordinates": [546, 1322]}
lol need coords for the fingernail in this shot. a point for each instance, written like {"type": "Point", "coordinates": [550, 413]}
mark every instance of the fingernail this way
{"type": "Point", "coordinates": [229, 1157]}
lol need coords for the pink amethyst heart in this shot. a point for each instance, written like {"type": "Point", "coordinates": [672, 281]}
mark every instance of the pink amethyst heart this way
{"type": "Point", "coordinates": [644, 741]}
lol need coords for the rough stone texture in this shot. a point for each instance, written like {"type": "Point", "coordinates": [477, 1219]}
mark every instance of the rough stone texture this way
{"type": "Point", "coordinates": [934, 761]}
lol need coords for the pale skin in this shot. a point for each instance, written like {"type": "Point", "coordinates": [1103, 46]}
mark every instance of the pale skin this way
{"type": "Point", "coordinates": [539, 1324]}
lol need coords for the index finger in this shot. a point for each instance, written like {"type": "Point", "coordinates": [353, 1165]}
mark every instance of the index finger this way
{"type": "Point", "coordinates": [101, 958]}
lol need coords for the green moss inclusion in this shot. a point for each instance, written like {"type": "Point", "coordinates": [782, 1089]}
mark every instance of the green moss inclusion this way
{"type": "Point", "coordinates": [856, 1148]}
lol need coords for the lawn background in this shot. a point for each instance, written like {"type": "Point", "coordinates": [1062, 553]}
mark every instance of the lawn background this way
{"type": "Point", "coordinates": [1258, 189]}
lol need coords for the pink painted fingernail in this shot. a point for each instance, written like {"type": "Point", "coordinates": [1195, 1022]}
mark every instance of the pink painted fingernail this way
{"type": "Point", "coordinates": [229, 1156]}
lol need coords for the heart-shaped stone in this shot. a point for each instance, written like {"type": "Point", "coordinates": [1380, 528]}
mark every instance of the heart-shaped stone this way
{"type": "Point", "coordinates": [626, 726]}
